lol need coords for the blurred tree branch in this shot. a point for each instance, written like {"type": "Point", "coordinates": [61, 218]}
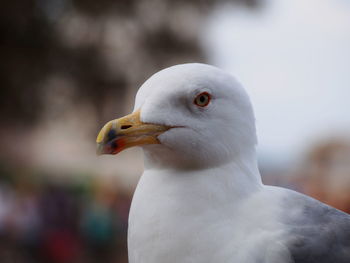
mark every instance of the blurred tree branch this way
{"type": "Point", "coordinates": [100, 47]}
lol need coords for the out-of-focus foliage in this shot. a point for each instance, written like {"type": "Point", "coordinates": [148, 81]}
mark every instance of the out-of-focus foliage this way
{"type": "Point", "coordinates": [95, 49]}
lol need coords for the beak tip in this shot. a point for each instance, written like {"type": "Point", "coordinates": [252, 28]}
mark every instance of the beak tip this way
{"type": "Point", "coordinates": [99, 149]}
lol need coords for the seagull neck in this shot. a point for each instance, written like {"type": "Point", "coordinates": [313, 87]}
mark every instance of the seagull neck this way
{"type": "Point", "coordinates": [239, 177]}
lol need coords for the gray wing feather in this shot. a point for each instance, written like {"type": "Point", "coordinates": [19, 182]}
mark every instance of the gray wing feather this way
{"type": "Point", "coordinates": [318, 233]}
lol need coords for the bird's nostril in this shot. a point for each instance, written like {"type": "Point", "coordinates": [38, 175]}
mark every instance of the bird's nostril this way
{"type": "Point", "coordinates": [124, 127]}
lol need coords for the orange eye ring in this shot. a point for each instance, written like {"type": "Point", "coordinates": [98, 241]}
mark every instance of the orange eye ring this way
{"type": "Point", "coordinates": [202, 99]}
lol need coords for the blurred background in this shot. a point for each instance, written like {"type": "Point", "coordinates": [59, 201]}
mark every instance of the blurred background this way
{"type": "Point", "coordinates": [68, 66]}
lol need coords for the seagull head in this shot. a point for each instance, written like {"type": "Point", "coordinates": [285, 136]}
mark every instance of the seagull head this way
{"type": "Point", "coordinates": [189, 115]}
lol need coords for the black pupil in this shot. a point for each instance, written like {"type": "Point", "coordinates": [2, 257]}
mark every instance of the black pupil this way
{"type": "Point", "coordinates": [202, 99]}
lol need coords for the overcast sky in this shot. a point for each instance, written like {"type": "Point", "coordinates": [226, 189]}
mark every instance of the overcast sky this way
{"type": "Point", "coordinates": [293, 57]}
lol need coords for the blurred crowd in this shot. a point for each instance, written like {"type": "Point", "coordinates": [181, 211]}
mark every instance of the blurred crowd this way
{"type": "Point", "coordinates": [48, 220]}
{"type": "Point", "coordinates": [80, 218]}
{"type": "Point", "coordinates": [323, 173]}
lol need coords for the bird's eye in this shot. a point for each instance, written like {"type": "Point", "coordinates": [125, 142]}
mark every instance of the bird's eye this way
{"type": "Point", "coordinates": [202, 99]}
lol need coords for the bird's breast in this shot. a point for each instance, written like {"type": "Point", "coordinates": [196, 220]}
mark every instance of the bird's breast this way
{"type": "Point", "coordinates": [172, 220]}
{"type": "Point", "coordinates": [171, 224]}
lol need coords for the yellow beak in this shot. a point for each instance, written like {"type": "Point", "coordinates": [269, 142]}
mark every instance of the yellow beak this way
{"type": "Point", "coordinates": [120, 134]}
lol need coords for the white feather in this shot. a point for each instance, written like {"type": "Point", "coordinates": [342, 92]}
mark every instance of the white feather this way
{"type": "Point", "coordinates": [200, 198]}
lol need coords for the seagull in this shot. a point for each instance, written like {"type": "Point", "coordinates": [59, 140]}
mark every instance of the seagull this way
{"type": "Point", "coordinates": [200, 198]}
